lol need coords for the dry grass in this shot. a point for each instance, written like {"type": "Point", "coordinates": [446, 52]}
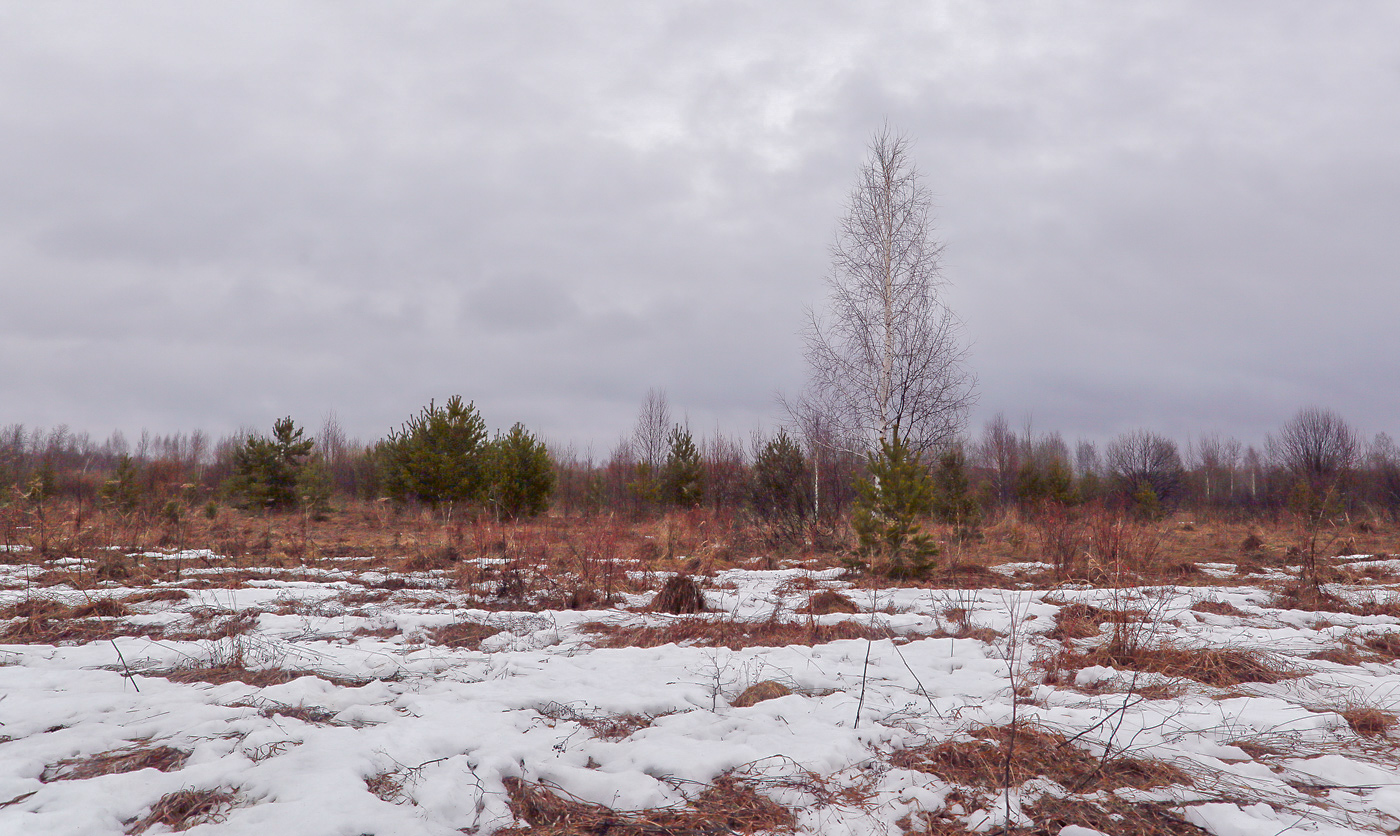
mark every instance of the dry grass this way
{"type": "Point", "coordinates": [462, 634]}
{"type": "Point", "coordinates": [1037, 752]}
{"type": "Point", "coordinates": [1217, 607]}
{"type": "Point", "coordinates": [1221, 668]}
{"type": "Point", "coordinates": [1369, 721]}
{"type": "Point", "coordinates": [1385, 645]}
{"type": "Point", "coordinates": [829, 601]}
{"type": "Point", "coordinates": [731, 633]}
{"type": "Point", "coordinates": [183, 809]}
{"type": "Point", "coordinates": [602, 724]}
{"type": "Point", "coordinates": [1082, 621]}
{"type": "Point", "coordinates": [45, 630]}
{"type": "Point", "coordinates": [760, 691]}
{"type": "Point", "coordinates": [679, 595]}
{"type": "Point", "coordinates": [159, 595]}
{"type": "Point", "coordinates": [1109, 814]}
{"type": "Point", "coordinates": [129, 759]}
{"type": "Point", "coordinates": [730, 805]}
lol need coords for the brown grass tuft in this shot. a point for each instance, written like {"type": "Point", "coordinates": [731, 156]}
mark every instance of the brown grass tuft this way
{"type": "Point", "coordinates": [159, 595]}
{"type": "Point", "coordinates": [463, 634]}
{"type": "Point", "coordinates": [1369, 721]}
{"type": "Point", "coordinates": [183, 809]}
{"type": "Point", "coordinates": [103, 608]}
{"type": "Point", "coordinates": [725, 632]}
{"type": "Point", "coordinates": [758, 692]}
{"type": "Point", "coordinates": [35, 608]}
{"type": "Point", "coordinates": [1082, 621]}
{"type": "Point", "coordinates": [129, 759]}
{"type": "Point", "coordinates": [1217, 607]}
{"type": "Point", "coordinates": [730, 805]}
{"type": "Point", "coordinates": [680, 595]}
{"type": "Point", "coordinates": [1211, 666]}
{"type": "Point", "coordinates": [1037, 752]}
{"type": "Point", "coordinates": [1385, 644]}
{"type": "Point", "coordinates": [829, 601]}
{"type": "Point", "coordinates": [603, 724]}
{"type": "Point", "coordinates": [1110, 814]}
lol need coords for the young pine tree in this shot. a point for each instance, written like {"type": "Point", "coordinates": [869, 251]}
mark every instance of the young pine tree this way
{"type": "Point", "coordinates": [683, 476]}
{"type": "Point", "coordinates": [889, 502]}
{"type": "Point", "coordinates": [267, 471]}
{"type": "Point", "coordinates": [781, 491]}
{"type": "Point", "coordinates": [954, 502]}
{"type": "Point", "coordinates": [438, 457]}
{"type": "Point", "coordinates": [780, 477]}
{"type": "Point", "coordinates": [521, 473]}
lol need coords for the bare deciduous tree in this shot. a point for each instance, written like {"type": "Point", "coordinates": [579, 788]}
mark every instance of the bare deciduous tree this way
{"type": "Point", "coordinates": [1144, 458]}
{"type": "Point", "coordinates": [999, 451]}
{"type": "Point", "coordinates": [653, 424]}
{"type": "Point", "coordinates": [887, 356]}
{"type": "Point", "coordinates": [1317, 446]}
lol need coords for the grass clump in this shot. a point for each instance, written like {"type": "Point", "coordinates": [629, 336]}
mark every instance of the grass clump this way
{"type": "Point", "coordinates": [183, 809]}
{"type": "Point", "coordinates": [730, 805]}
{"type": "Point", "coordinates": [732, 633]}
{"type": "Point", "coordinates": [129, 759]}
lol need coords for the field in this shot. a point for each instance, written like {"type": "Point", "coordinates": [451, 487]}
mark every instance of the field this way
{"type": "Point", "coordinates": [384, 673]}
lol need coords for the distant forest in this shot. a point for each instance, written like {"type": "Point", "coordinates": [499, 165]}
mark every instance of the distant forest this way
{"type": "Point", "coordinates": [443, 458]}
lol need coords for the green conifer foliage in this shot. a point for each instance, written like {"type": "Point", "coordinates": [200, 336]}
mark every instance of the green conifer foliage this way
{"type": "Point", "coordinates": [1049, 483]}
{"type": "Point", "coordinates": [888, 504]}
{"type": "Point", "coordinates": [683, 476]}
{"type": "Point", "coordinates": [437, 457]}
{"type": "Point", "coordinates": [781, 490]}
{"type": "Point", "coordinates": [522, 475]}
{"type": "Point", "coordinates": [123, 491]}
{"type": "Point", "coordinates": [267, 471]}
{"type": "Point", "coordinates": [954, 502]}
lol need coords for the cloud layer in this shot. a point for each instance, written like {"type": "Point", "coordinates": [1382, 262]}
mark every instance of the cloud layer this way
{"type": "Point", "coordinates": [1177, 216]}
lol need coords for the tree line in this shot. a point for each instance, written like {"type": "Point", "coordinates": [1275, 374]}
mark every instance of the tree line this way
{"type": "Point", "coordinates": [444, 458]}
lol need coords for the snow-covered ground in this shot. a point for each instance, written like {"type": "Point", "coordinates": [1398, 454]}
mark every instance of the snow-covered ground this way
{"type": "Point", "coordinates": [391, 732]}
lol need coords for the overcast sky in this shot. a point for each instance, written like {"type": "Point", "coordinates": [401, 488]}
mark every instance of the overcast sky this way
{"type": "Point", "coordinates": [1176, 216]}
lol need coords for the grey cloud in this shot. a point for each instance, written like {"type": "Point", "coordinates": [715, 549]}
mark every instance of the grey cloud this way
{"type": "Point", "coordinates": [1174, 217]}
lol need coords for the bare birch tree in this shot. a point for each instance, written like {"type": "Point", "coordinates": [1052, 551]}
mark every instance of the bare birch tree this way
{"type": "Point", "coordinates": [886, 355]}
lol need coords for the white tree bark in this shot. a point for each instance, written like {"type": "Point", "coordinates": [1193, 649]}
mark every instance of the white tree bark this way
{"type": "Point", "coordinates": [886, 355]}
